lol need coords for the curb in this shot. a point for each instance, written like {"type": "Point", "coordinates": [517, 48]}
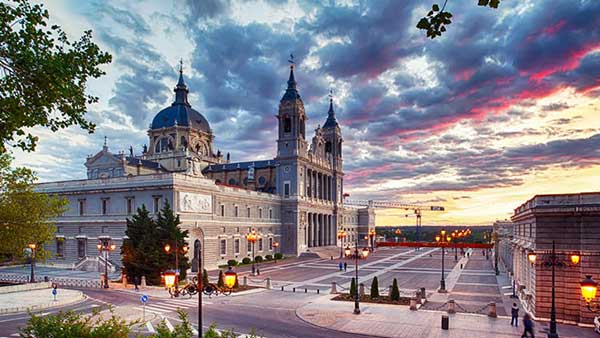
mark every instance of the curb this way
{"type": "Point", "coordinates": [80, 298]}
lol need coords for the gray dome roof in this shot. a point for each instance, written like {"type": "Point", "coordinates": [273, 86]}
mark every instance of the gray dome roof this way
{"type": "Point", "coordinates": [180, 112]}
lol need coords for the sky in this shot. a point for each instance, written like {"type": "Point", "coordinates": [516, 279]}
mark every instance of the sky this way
{"type": "Point", "coordinates": [503, 106]}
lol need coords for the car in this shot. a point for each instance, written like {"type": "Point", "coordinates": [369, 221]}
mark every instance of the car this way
{"type": "Point", "coordinates": [597, 324]}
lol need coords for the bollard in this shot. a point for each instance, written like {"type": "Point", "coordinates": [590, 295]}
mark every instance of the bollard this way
{"type": "Point", "coordinates": [413, 304]}
{"type": "Point", "coordinates": [423, 294]}
{"type": "Point", "coordinates": [333, 287]}
{"type": "Point", "coordinates": [282, 288]}
{"type": "Point", "coordinates": [124, 280]}
{"type": "Point", "coordinates": [451, 306]}
{"type": "Point", "coordinates": [361, 290]}
{"type": "Point", "coordinates": [305, 290]}
{"type": "Point", "coordinates": [245, 281]}
{"type": "Point", "coordinates": [293, 289]}
{"type": "Point", "coordinates": [318, 291]}
{"type": "Point", "coordinates": [143, 283]}
{"type": "Point", "coordinates": [268, 283]}
{"type": "Point", "coordinates": [418, 296]}
{"type": "Point", "coordinates": [461, 266]}
{"type": "Point", "coordinates": [445, 322]}
{"type": "Point", "coordinates": [492, 310]}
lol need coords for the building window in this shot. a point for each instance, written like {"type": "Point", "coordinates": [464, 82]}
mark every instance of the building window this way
{"type": "Point", "coordinates": [260, 244]}
{"type": "Point", "coordinates": [59, 229]}
{"type": "Point", "coordinates": [81, 207]}
{"type": "Point", "coordinates": [156, 204]}
{"type": "Point", "coordinates": [236, 211]}
{"type": "Point", "coordinates": [104, 230]}
{"type": "Point", "coordinates": [236, 246]}
{"type": "Point", "coordinates": [104, 206]}
{"type": "Point", "coordinates": [271, 213]}
{"type": "Point", "coordinates": [232, 181]}
{"type": "Point", "coordinates": [248, 211]}
{"type": "Point", "coordinates": [286, 189]}
{"type": "Point", "coordinates": [81, 244]}
{"type": "Point", "coordinates": [222, 209]}
{"type": "Point", "coordinates": [259, 212]}
{"type": "Point", "coordinates": [270, 243]}
{"type": "Point", "coordinates": [80, 230]}
{"type": "Point", "coordinates": [287, 124]}
{"type": "Point", "coordinates": [130, 205]}
{"type": "Point", "coordinates": [60, 247]}
{"type": "Point", "coordinates": [223, 229]}
{"type": "Point", "coordinates": [223, 247]}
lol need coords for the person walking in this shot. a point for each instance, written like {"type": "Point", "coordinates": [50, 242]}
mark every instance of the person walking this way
{"type": "Point", "coordinates": [345, 266]}
{"type": "Point", "coordinates": [341, 266]}
{"type": "Point", "coordinates": [514, 321]}
{"type": "Point", "coordinates": [528, 324]}
{"type": "Point", "coordinates": [136, 282]}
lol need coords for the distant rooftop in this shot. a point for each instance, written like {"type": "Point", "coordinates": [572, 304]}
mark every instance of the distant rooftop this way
{"type": "Point", "coordinates": [560, 200]}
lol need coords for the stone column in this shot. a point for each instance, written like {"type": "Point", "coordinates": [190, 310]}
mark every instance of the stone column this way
{"type": "Point", "coordinates": [315, 230]}
{"type": "Point", "coordinates": [309, 229]}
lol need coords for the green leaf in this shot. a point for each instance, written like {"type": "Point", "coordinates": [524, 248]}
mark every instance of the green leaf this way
{"type": "Point", "coordinates": [483, 2]}
{"type": "Point", "coordinates": [435, 8]}
{"type": "Point", "coordinates": [494, 3]}
{"type": "Point", "coordinates": [423, 24]}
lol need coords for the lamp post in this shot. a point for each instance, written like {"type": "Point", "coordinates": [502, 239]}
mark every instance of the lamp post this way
{"type": "Point", "coordinates": [454, 237]}
{"type": "Point", "coordinates": [372, 237]}
{"type": "Point", "coordinates": [32, 246]}
{"type": "Point", "coordinates": [252, 237]}
{"type": "Point", "coordinates": [275, 246]}
{"type": "Point", "coordinates": [365, 253]}
{"type": "Point", "coordinates": [340, 235]}
{"type": "Point", "coordinates": [398, 232]}
{"type": "Point", "coordinates": [105, 246]}
{"type": "Point", "coordinates": [443, 240]}
{"type": "Point", "coordinates": [551, 261]}
{"type": "Point", "coordinates": [167, 248]}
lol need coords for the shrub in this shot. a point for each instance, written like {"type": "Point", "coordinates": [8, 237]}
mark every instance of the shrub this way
{"type": "Point", "coordinates": [258, 259]}
{"type": "Point", "coordinates": [232, 262]}
{"type": "Point", "coordinates": [181, 330]}
{"type": "Point", "coordinates": [353, 287]}
{"type": "Point", "coordinates": [279, 255]}
{"type": "Point", "coordinates": [205, 277]}
{"type": "Point", "coordinates": [375, 288]}
{"type": "Point", "coordinates": [269, 257]}
{"type": "Point", "coordinates": [246, 260]}
{"type": "Point", "coordinates": [395, 294]}
{"type": "Point", "coordinates": [221, 282]}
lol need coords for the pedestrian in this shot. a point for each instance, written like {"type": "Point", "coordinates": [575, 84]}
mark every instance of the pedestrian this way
{"type": "Point", "coordinates": [528, 324]}
{"type": "Point", "coordinates": [136, 282]}
{"type": "Point", "coordinates": [515, 315]}
{"type": "Point", "coordinates": [341, 266]}
{"type": "Point", "coordinates": [345, 266]}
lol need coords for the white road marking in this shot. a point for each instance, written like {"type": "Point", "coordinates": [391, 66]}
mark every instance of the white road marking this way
{"type": "Point", "coordinates": [169, 325]}
{"type": "Point", "coordinates": [150, 327]}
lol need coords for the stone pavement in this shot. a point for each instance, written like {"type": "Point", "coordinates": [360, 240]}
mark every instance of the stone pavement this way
{"type": "Point", "coordinates": [37, 299]}
{"type": "Point", "coordinates": [398, 321]}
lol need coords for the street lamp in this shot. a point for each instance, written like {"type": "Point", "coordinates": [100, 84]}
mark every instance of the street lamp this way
{"type": "Point", "coordinates": [32, 246]}
{"type": "Point", "coordinates": [398, 232]}
{"type": "Point", "coordinates": [105, 246]}
{"type": "Point", "coordinates": [550, 260]}
{"type": "Point", "coordinates": [364, 253]}
{"type": "Point", "coordinates": [372, 237]}
{"type": "Point", "coordinates": [589, 287]}
{"type": "Point", "coordinates": [167, 248]}
{"type": "Point", "coordinates": [252, 237]}
{"type": "Point", "coordinates": [443, 240]}
{"type": "Point", "coordinates": [230, 278]}
{"type": "Point", "coordinates": [275, 246]}
{"type": "Point", "coordinates": [340, 235]}
{"type": "Point", "coordinates": [454, 237]}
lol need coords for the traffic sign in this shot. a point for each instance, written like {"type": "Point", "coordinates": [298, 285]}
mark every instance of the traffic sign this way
{"type": "Point", "coordinates": [54, 292]}
{"type": "Point", "coordinates": [144, 299]}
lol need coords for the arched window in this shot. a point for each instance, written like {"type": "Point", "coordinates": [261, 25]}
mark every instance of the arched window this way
{"type": "Point", "coordinates": [302, 127]}
{"type": "Point", "coordinates": [162, 145]}
{"type": "Point", "coordinates": [328, 147]}
{"type": "Point", "coordinates": [232, 181]}
{"type": "Point", "coordinates": [287, 124]}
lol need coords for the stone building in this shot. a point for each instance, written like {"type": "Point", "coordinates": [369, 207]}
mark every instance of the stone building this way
{"type": "Point", "coordinates": [572, 221]}
{"type": "Point", "coordinates": [294, 199]}
{"type": "Point", "coordinates": [503, 245]}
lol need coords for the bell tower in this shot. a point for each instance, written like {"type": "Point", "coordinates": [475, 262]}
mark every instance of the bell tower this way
{"type": "Point", "coordinates": [292, 120]}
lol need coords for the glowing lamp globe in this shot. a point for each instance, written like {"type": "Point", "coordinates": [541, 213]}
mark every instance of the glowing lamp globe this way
{"type": "Point", "coordinates": [575, 259]}
{"type": "Point", "coordinates": [588, 288]}
{"type": "Point", "coordinates": [531, 256]}
{"type": "Point", "coordinates": [230, 278]}
{"type": "Point", "coordinates": [169, 279]}
{"type": "Point", "coordinates": [167, 248]}
{"type": "Point", "coordinates": [347, 251]}
{"type": "Point", "coordinates": [437, 238]}
{"type": "Point", "coordinates": [365, 252]}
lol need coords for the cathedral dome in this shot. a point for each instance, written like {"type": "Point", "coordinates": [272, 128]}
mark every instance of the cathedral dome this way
{"type": "Point", "coordinates": [180, 112]}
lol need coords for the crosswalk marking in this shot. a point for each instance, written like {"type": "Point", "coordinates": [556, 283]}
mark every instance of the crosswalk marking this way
{"type": "Point", "coordinates": [169, 325]}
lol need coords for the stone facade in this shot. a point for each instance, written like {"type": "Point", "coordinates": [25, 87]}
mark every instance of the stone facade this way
{"type": "Point", "coordinates": [572, 221]}
{"type": "Point", "coordinates": [294, 199]}
{"type": "Point", "coordinates": [503, 245]}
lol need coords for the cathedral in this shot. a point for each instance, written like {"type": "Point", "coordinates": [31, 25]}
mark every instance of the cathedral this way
{"type": "Point", "coordinates": [294, 201]}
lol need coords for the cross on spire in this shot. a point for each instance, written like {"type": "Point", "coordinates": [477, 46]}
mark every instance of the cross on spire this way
{"type": "Point", "coordinates": [291, 60]}
{"type": "Point", "coordinates": [181, 66]}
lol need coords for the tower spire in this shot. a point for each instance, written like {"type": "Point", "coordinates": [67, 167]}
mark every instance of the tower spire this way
{"type": "Point", "coordinates": [291, 93]}
{"type": "Point", "coordinates": [181, 89]}
{"type": "Point", "coordinates": [331, 120]}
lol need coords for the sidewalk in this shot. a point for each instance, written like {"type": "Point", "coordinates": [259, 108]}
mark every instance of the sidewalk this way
{"type": "Point", "coordinates": [398, 321]}
{"type": "Point", "coordinates": [37, 299]}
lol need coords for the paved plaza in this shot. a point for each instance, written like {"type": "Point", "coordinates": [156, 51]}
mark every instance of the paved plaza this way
{"type": "Point", "coordinates": [470, 281]}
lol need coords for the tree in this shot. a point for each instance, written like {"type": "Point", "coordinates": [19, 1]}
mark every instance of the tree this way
{"type": "Point", "coordinates": [25, 215]}
{"type": "Point", "coordinates": [221, 281]}
{"type": "Point", "coordinates": [142, 250]}
{"type": "Point", "coordinates": [353, 291]}
{"type": "Point", "coordinates": [167, 224]}
{"type": "Point", "coordinates": [205, 280]}
{"type": "Point", "coordinates": [436, 20]}
{"type": "Point", "coordinates": [395, 294]}
{"type": "Point", "coordinates": [375, 288]}
{"type": "Point", "coordinates": [43, 75]}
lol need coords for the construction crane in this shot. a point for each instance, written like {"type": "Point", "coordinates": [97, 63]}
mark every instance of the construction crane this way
{"type": "Point", "coordinates": [417, 209]}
